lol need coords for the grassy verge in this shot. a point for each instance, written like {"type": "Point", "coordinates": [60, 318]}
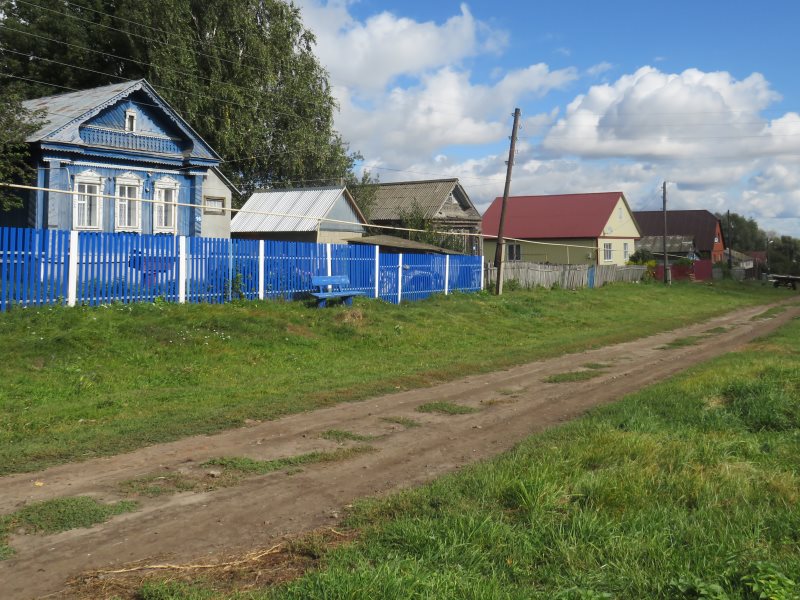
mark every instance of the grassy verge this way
{"type": "Point", "coordinates": [404, 421]}
{"type": "Point", "coordinates": [445, 408]}
{"type": "Point", "coordinates": [84, 382]}
{"type": "Point", "coordinates": [59, 514]}
{"type": "Point", "coordinates": [571, 376]}
{"type": "Point", "coordinates": [688, 489]}
{"type": "Point", "coordinates": [337, 435]}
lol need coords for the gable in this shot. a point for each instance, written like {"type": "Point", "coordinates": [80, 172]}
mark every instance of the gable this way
{"type": "Point", "coordinates": [621, 222]}
{"type": "Point", "coordinates": [435, 199]}
{"type": "Point", "coordinates": [342, 210]}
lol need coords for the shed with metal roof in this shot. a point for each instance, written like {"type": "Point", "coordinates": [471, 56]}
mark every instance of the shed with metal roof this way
{"type": "Point", "coordinates": [319, 215]}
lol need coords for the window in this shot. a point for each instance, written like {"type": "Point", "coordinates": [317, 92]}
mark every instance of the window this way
{"type": "Point", "coordinates": [164, 205]}
{"type": "Point", "coordinates": [87, 203]}
{"type": "Point", "coordinates": [619, 213]}
{"type": "Point", "coordinates": [214, 206]}
{"type": "Point", "coordinates": [130, 121]}
{"type": "Point", "coordinates": [625, 251]}
{"type": "Point", "coordinates": [607, 253]}
{"type": "Point", "coordinates": [128, 207]}
{"type": "Point", "coordinates": [514, 252]}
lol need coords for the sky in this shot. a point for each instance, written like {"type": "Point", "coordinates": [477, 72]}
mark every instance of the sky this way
{"type": "Point", "coordinates": [615, 96]}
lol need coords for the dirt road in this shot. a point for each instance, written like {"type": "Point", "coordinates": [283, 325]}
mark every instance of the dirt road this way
{"type": "Point", "coordinates": [511, 405]}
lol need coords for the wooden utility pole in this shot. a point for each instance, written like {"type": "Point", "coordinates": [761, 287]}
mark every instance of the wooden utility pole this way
{"type": "Point", "coordinates": [498, 253]}
{"type": "Point", "coordinates": [667, 272]}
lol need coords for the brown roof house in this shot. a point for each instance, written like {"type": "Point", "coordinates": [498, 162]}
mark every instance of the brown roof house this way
{"type": "Point", "coordinates": [596, 228]}
{"type": "Point", "coordinates": [701, 225]}
{"type": "Point", "coordinates": [442, 202]}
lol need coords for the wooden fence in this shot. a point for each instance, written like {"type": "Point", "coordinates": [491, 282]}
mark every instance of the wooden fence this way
{"type": "Point", "coordinates": [531, 275]}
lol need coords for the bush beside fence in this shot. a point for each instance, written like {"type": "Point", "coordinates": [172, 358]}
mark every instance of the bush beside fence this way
{"type": "Point", "coordinates": [41, 267]}
{"type": "Point", "coordinates": [531, 275]}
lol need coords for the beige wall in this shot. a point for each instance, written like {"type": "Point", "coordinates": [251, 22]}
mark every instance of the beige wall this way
{"type": "Point", "coordinates": [621, 223]}
{"type": "Point", "coordinates": [336, 237]}
{"type": "Point", "coordinates": [216, 225]}
{"type": "Point", "coordinates": [617, 250]}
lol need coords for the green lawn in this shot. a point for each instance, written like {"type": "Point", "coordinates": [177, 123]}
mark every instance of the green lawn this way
{"type": "Point", "coordinates": [84, 382]}
{"type": "Point", "coordinates": [687, 489]}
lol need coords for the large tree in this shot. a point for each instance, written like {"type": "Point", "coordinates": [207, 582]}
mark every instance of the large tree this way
{"type": "Point", "coordinates": [16, 124]}
{"type": "Point", "coordinates": [242, 72]}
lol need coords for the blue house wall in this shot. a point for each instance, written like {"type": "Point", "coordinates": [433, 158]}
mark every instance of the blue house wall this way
{"type": "Point", "coordinates": [160, 148]}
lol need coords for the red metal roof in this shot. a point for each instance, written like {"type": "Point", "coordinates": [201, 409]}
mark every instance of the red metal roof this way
{"type": "Point", "coordinates": [557, 216]}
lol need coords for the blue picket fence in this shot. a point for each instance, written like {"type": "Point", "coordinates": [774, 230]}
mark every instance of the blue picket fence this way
{"type": "Point", "coordinates": [35, 269]}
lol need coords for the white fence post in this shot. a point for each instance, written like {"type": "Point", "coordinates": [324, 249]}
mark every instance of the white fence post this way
{"type": "Point", "coordinates": [328, 265]}
{"type": "Point", "coordinates": [399, 277]}
{"type": "Point", "coordinates": [260, 269]}
{"type": "Point", "coordinates": [483, 271]}
{"type": "Point", "coordinates": [446, 274]}
{"type": "Point", "coordinates": [182, 269]}
{"type": "Point", "coordinates": [72, 269]}
{"type": "Point", "coordinates": [377, 270]}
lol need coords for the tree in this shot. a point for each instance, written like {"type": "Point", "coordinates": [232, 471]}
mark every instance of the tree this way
{"type": "Point", "coordinates": [414, 218]}
{"type": "Point", "coordinates": [242, 72]}
{"type": "Point", "coordinates": [16, 124]}
{"type": "Point", "coordinates": [744, 233]}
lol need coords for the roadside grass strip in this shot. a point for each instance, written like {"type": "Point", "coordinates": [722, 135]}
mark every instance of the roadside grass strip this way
{"type": "Point", "coordinates": [445, 408]}
{"type": "Point", "coordinates": [83, 382]}
{"type": "Point", "coordinates": [57, 515]}
{"type": "Point", "coordinates": [249, 466]}
{"type": "Point", "coordinates": [337, 435]}
{"type": "Point", "coordinates": [404, 421]}
{"type": "Point", "coordinates": [596, 365]}
{"type": "Point", "coordinates": [715, 330]}
{"type": "Point", "coordinates": [769, 313]}
{"type": "Point", "coordinates": [687, 489]}
{"type": "Point", "coordinates": [689, 340]}
{"type": "Point", "coordinates": [572, 376]}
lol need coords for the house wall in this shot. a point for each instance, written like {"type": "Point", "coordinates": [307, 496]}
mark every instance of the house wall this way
{"type": "Point", "coordinates": [549, 252]}
{"type": "Point", "coordinates": [621, 223]}
{"type": "Point", "coordinates": [618, 256]}
{"type": "Point", "coordinates": [216, 225]}
{"type": "Point", "coordinates": [341, 211]}
{"type": "Point", "coordinates": [57, 208]}
{"type": "Point", "coordinates": [718, 251]}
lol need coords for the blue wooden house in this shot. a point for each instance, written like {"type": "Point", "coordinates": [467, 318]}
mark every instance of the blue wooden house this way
{"type": "Point", "coordinates": [127, 162]}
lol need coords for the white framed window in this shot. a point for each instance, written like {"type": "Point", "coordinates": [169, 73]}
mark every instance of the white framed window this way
{"type": "Point", "coordinates": [626, 251]}
{"type": "Point", "coordinates": [607, 252]}
{"type": "Point", "coordinates": [130, 121]}
{"type": "Point", "coordinates": [213, 205]}
{"type": "Point", "coordinates": [128, 207]}
{"type": "Point", "coordinates": [165, 198]}
{"type": "Point", "coordinates": [87, 201]}
{"type": "Point", "coordinates": [514, 252]}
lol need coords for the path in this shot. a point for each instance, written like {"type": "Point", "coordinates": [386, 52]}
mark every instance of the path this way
{"type": "Point", "coordinates": [512, 404]}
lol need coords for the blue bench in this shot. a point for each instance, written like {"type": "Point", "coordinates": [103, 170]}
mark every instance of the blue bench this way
{"type": "Point", "coordinates": [330, 286]}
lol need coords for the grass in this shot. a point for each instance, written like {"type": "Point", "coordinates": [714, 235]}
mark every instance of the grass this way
{"type": "Point", "coordinates": [445, 408]}
{"type": "Point", "coordinates": [249, 466]}
{"type": "Point", "coordinates": [596, 365]}
{"type": "Point", "coordinates": [337, 435]}
{"type": "Point", "coordinates": [57, 515]}
{"type": "Point", "coordinates": [715, 330]}
{"type": "Point", "coordinates": [687, 489]}
{"type": "Point", "coordinates": [769, 313]}
{"type": "Point", "coordinates": [689, 340]}
{"type": "Point", "coordinates": [85, 382]}
{"type": "Point", "coordinates": [404, 421]}
{"type": "Point", "coordinates": [571, 376]}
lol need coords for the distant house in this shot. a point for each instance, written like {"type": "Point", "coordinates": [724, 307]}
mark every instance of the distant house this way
{"type": "Point", "coordinates": [443, 202]}
{"type": "Point", "coordinates": [678, 246]}
{"type": "Point", "coordinates": [319, 215]}
{"type": "Point", "coordinates": [700, 225]}
{"type": "Point", "coordinates": [594, 228]}
{"type": "Point", "coordinates": [392, 244]}
{"type": "Point", "coordinates": [126, 162]}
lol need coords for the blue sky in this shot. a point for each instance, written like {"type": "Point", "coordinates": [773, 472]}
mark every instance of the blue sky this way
{"type": "Point", "coordinates": [614, 96]}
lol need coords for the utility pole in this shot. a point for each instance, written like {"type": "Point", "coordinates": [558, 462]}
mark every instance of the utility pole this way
{"type": "Point", "coordinates": [667, 272]}
{"type": "Point", "coordinates": [730, 242]}
{"type": "Point", "coordinates": [498, 253]}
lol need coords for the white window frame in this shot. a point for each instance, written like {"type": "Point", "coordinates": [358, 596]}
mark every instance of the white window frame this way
{"type": "Point", "coordinates": [626, 251]}
{"type": "Point", "coordinates": [608, 252]}
{"type": "Point", "coordinates": [213, 210]}
{"type": "Point", "coordinates": [160, 186]}
{"type": "Point", "coordinates": [87, 178]}
{"type": "Point", "coordinates": [128, 114]}
{"type": "Point", "coordinates": [128, 180]}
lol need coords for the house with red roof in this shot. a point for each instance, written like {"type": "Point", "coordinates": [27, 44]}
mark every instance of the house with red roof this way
{"type": "Point", "coordinates": [597, 228]}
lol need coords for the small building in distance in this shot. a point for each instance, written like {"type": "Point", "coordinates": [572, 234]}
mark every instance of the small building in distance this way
{"type": "Point", "coordinates": [396, 245]}
{"type": "Point", "coordinates": [318, 215]}
{"type": "Point", "coordinates": [678, 246]}
{"type": "Point", "coordinates": [594, 228]}
{"type": "Point", "coordinates": [442, 202]}
{"type": "Point", "coordinates": [701, 225]}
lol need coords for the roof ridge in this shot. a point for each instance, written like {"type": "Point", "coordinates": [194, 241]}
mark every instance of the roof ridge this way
{"type": "Point", "coordinates": [129, 82]}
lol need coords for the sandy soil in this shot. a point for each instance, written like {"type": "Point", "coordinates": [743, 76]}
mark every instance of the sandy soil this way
{"type": "Point", "coordinates": [202, 525]}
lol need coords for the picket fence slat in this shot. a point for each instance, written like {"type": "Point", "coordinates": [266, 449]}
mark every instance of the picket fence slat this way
{"type": "Point", "coordinates": [531, 275]}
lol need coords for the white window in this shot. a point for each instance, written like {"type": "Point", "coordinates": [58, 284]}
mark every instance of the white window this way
{"type": "Point", "coordinates": [127, 211]}
{"type": "Point", "coordinates": [165, 200]}
{"type": "Point", "coordinates": [514, 252]}
{"type": "Point", "coordinates": [607, 253]}
{"type": "Point", "coordinates": [214, 206]}
{"type": "Point", "coordinates": [130, 121]}
{"type": "Point", "coordinates": [87, 201]}
{"type": "Point", "coordinates": [625, 251]}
